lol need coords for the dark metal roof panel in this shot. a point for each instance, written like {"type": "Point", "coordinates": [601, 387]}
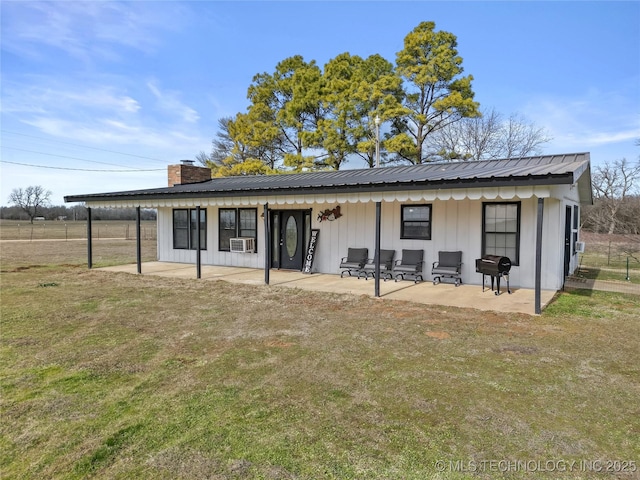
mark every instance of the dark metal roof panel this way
{"type": "Point", "coordinates": [550, 169]}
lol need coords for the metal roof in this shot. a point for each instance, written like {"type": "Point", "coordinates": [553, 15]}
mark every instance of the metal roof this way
{"type": "Point", "coordinates": [539, 170]}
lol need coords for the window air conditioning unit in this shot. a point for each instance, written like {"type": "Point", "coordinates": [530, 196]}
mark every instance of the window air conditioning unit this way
{"type": "Point", "coordinates": [242, 245]}
{"type": "Point", "coordinates": [579, 247]}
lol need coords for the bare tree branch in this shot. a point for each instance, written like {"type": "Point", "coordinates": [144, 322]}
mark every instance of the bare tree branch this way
{"type": "Point", "coordinates": [30, 199]}
{"type": "Point", "coordinates": [614, 185]}
{"type": "Point", "coordinates": [488, 137]}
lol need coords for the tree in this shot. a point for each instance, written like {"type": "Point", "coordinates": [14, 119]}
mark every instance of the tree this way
{"type": "Point", "coordinates": [613, 186]}
{"type": "Point", "coordinates": [469, 139]}
{"type": "Point", "coordinates": [30, 200]}
{"type": "Point", "coordinates": [231, 155]}
{"type": "Point", "coordinates": [284, 113]}
{"type": "Point", "coordinates": [337, 131]}
{"type": "Point", "coordinates": [354, 92]}
{"type": "Point", "coordinates": [222, 144]}
{"type": "Point", "coordinates": [436, 94]}
{"type": "Point", "coordinates": [202, 158]}
{"type": "Point", "coordinates": [519, 139]}
{"type": "Point", "coordinates": [302, 118]}
{"type": "Point", "coordinates": [488, 137]}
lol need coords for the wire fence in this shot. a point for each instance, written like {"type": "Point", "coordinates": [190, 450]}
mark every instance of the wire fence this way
{"type": "Point", "coordinates": [610, 258]}
{"type": "Point", "coordinates": [54, 230]}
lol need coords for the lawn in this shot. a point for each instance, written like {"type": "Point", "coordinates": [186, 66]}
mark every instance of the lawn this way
{"type": "Point", "coordinates": [110, 375]}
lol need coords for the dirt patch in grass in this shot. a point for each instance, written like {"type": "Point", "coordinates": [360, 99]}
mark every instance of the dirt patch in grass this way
{"type": "Point", "coordinates": [109, 375]}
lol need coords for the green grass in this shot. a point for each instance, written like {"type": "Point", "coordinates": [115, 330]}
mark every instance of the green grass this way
{"type": "Point", "coordinates": [609, 274]}
{"type": "Point", "coordinates": [124, 376]}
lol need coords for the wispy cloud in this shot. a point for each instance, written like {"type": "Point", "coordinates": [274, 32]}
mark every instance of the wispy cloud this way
{"type": "Point", "coordinates": [116, 131]}
{"type": "Point", "coordinates": [85, 30]}
{"type": "Point", "coordinates": [41, 95]}
{"type": "Point", "coordinates": [593, 119]}
{"type": "Point", "coordinates": [169, 102]}
{"type": "Point", "coordinates": [105, 115]}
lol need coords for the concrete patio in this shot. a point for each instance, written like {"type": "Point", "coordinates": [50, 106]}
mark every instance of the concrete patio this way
{"type": "Point", "coordinates": [465, 296]}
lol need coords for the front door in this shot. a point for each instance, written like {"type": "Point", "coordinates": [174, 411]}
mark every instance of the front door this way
{"type": "Point", "coordinates": [289, 236]}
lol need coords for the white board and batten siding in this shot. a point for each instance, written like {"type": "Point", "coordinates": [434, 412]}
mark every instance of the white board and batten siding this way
{"type": "Point", "coordinates": [456, 225]}
{"type": "Point", "coordinates": [210, 256]}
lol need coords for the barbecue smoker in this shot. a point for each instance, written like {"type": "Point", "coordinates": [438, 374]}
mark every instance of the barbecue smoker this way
{"type": "Point", "coordinates": [496, 267]}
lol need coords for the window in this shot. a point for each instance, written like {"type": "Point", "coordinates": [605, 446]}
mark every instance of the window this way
{"type": "Point", "coordinates": [415, 222]}
{"type": "Point", "coordinates": [185, 229]}
{"type": "Point", "coordinates": [501, 230]}
{"type": "Point", "coordinates": [237, 222]}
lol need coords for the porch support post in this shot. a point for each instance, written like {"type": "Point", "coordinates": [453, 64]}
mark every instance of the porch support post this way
{"type": "Point", "coordinates": [538, 279]}
{"type": "Point", "coordinates": [267, 244]}
{"type": "Point", "coordinates": [89, 246]}
{"type": "Point", "coordinates": [138, 241]}
{"type": "Point", "coordinates": [377, 252]}
{"type": "Point", "coordinates": [198, 252]}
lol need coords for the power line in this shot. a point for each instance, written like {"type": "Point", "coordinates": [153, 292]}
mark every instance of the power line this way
{"type": "Point", "coordinates": [63, 156]}
{"type": "Point", "coordinates": [82, 146]}
{"type": "Point", "coordinates": [81, 169]}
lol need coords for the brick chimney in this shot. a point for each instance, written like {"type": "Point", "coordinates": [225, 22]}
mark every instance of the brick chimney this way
{"type": "Point", "coordinates": [186, 172]}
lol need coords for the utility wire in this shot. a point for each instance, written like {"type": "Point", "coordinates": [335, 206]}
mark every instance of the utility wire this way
{"type": "Point", "coordinates": [64, 156]}
{"type": "Point", "coordinates": [81, 169]}
{"type": "Point", "coordinates": [82, 146]}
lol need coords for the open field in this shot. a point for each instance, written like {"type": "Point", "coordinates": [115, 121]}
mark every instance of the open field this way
{"type": "Point", "coordinates": [109, 375]}
{"type": "Point", "coordinates": [67, 230]}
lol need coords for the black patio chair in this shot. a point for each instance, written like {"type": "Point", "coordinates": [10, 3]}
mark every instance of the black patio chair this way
{"type": "Point", "coordinates": [449, 265]}
{"type": "Point", "coordinates": [386, 266]}
{"type": "Point", "coordinates": [410, 265]}
{"type": "Point", "coordinates": [354, 261]}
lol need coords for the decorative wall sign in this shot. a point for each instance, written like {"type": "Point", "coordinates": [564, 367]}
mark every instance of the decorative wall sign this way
{"type": "Point", "coordinates": [311, 251]}
{"type": "Point", "coordinates": [330, 215]}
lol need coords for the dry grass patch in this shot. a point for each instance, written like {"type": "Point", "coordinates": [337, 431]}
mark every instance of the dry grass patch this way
{"type": "Point", "coordinates": [109, 375]}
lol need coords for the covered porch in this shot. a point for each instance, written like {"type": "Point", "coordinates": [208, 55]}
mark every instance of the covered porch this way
{"type": "Point", "coordinates": [521, 300]}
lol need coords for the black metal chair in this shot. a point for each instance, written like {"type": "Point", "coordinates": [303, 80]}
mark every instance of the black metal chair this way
{"type": "Point", "coordinates": [410, 265]}
{"type": "Point", "coordinates": [449, 265]}
{"type": "Point", "coordinates": [386, 266]}
{"type": "Point", "coordinates": [354, 261]}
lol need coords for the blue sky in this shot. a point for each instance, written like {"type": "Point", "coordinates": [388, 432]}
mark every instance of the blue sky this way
{"type": "Point", "coordinates": [128, 88]}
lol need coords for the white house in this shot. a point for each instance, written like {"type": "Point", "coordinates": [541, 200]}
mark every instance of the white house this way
{"type": "Point", "coordinates": [527, 209]}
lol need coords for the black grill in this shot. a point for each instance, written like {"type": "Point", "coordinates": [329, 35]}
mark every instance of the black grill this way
{"type": "Point", "coordinates": [496, 267]}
